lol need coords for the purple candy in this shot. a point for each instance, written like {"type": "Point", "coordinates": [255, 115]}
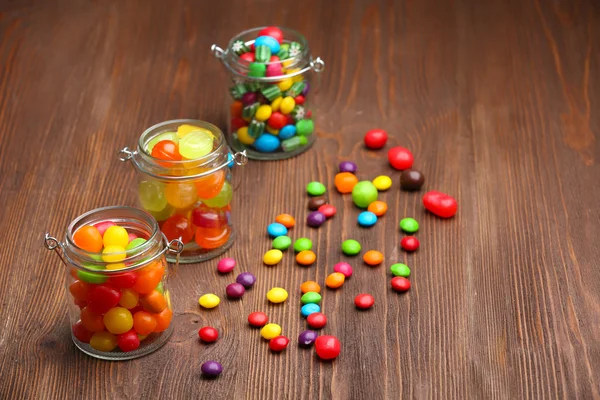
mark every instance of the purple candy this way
{"type": "Point", "coordinates": [235, 290]}
{"type": "Point", "coordinates": [226, 265]}
{"type": "Point", "coordinates": [347, 166]}
{"type": "Point", "coordinates": [305, 90]}
{"type": "Point", "coordinates": [315, 219]}
{"type": "Point", "coordinates": [343, 268]}
{"type": "Point", "coordinates": [249, 98]}
{"type": "Point", "coordinates": [211, 369]}
{"type": "Point", "coordinates": [307, 338]}
{"type": "Point", "coordinates": [246, 279]}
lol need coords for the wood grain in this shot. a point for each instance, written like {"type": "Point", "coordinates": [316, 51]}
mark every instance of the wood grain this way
{"type": "Point", "coordinates": [498, 101]}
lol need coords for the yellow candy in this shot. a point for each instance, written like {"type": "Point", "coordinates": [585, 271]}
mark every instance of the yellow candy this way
{"type": "Point", "coordinates": [297, 78]}
{"type": "Point", "coordinates": [270, 331]}
{"type": "Point", "coordinates": [287, 105]}
{"type": "Point", "coordinates": [115, 236]}
{"type": "Point", "coordinates": [382, 182]}
{"type": "Point", "coordinates": [285, 84]}
{"type": "Point", "coordinates": [243, 136]}
{"type": "Point", "coordinates": [287, 63]}
{"type": "Point", "coordinates": [103, 341]}
{"type": "Point", "coordinates": [183, 130]}
{"type": "Point", "coordinates": [209, 300]}
{"type": "Point", "coordinates": [276, 103]}
{"type": "Point", "coordinates": [272, 130]}
{"type": "Point", "coordinates": [118, 256]}
{"type": "Point", "coordinates": [116, 266]}
{"type": "Point", "coordinates": [181, 195]}
{"type": "Point", "coordinates": [277, 295]}
{"type": "Point", "coordinates": [272, 257]}
{"type": "Point", "coordinates": [129, 298]}
{"type": "Point", "coordinates": [263, 113]}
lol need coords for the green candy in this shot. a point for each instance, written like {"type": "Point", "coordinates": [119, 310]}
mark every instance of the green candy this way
{"type": "Point", "coordinates": [134, 244]}
{"type": "Point", "coordinates": [302, 244]}
{"type": "Point", "coordinates": [237, 91]}
{"type": "Point", "coordinates": [364, 193]}
{"type": "Point", "coordinates": [311, 297]}
{"type": "Point", "coordinates": [249, 111]}
{"type": "Point", "coordinates": [305, 127]}
{"type": "Point", "coordinates": [257, 70]}
{"type": "Point", "coordinates": [296, 89]}
{"type": "Point", "coordinates": [409, 225]}
{"type": "Point", "coordinates": [262, 53]}
{"type": "Point", "coordinates": [293, 143]}
{"type": "Point", "coordinates": [253, 86]}
{"type": "Point", "coordinates": [271, 92]}
{"type": "Point", "coordinates": [317, 189]}
{"type": "Point", "coordinates": [239, 47]}
{"type": "Point", "coordinates": [160, 288]}
{"type": "Point", "coordinates": [400, 270]}
{"type": "Point", "coordinates": [284, 51]}
{"type": "Point", "coordinates": [91, 277]}
{"type": "Point", "coordinates": [350, 247]}
{"type": "Point", "coordinates": [256, 128]}
{"type": "Point", "coordinates": [281, 243]}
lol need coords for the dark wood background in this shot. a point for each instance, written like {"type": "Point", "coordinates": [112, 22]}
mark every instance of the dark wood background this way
{"type": "Point", "coordinates": [499, 102]}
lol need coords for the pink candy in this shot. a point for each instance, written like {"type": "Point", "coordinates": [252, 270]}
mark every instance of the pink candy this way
{"type": "Point", "coordinates": [343, 268]}
{"type": "Point", "coordinates": [103, 226]}
{"type": "Point", "coordinates": [226, 265]}
{"type": "Point", "coordinates": [274, 69]}
{"type": "Point", "coordinates": [132, 236]}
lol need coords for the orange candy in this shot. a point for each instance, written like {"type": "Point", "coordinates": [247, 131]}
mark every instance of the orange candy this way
{"type": "Point", "coordinates": [344, 182]}
{"type": "Point", "coordinates": [88, 238]}
{"type": "Point", "coordinates": [373, 257]}
{"type": "Point", "coordinates": [310, 286]}
{"type": "Point", "coordinates": [378, 208]}
{"type": "Point", "coordinates": [153, 302]}
{"type": "Point", "coordinates": [286, 220]}
{"type": "Point", "coordinates": [209, 186]}
{"type": "Point", "coordinates": [80, 290]}
{"type": "Point", "coordinates": [306, 257]}
{"type": "Point", "coordinates": [236, 108]}
{"type": "Point", "coordinates": [163, 320]}
{"type": "Point", "coordinates": [149, 278]}
{"type": "Point", "coordinates": [211, 238]}
{"type": "Point", "coordinates": [335, 280]}
{"type": "Point", "coordinates": [91, 321]}
{"type": "Point", "coordinates": [144, 323]}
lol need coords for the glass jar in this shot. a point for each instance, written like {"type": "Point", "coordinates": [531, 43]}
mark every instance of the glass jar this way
{"type": "Point", "coordinates": [119, 302]}
{"type": "Point", "coordinates": [272, 90]}
{"type": "Point", "coordinates": [190, 198]}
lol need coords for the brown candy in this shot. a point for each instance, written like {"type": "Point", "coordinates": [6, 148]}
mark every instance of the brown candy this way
{"type": "Point", "coordinates": [315, 202]}
{"type": "Point", "coordinates": [411, 179]}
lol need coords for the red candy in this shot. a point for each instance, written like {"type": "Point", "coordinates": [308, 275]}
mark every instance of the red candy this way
{"type": "Point", "coordinates": [328, 210]}
{"type": "Point", "coordinates": [248, 57]}
{"type": "Point", "coordinates": [440, 204]}
{"type": "Point", "coordinates": [409, 243]}
{"type": "Point", "coordinates": [364, 301]}
{"type": "Point", "coordinates": [208, 334]}
{"type": "Point", "coordinates": [316, 320]}
{"type": "Point", "coordinates": [258, 319]}
{"type": "Point", "coordinates": [299, 99]}
{"type": "Point", "coordinates": [400, 158]}
{"type": "Point", "coordinates": [274, 59]}
{"type": "Point", "coordinates": [277, 120]}
{"type": "Point", "coordinates": [327, 347]}
{"type": "Point", "coordinates": [278, 343]}
{"type": "Point", "coordinates": [128, 341]}
{"type": "Point", "coordinates": [166, 150]}
{"type": "Point", "coordinates": [400, 284]}
{"type": "Point", "coordinates": [102, 298]}
{"type": "Point", "coordinates": [82, 334]}
{"type": "Point", "coordinates": [375, 139]}
{"type": "Point", "coordinates": [237, 123]}
{"type": "Point", "coordinates": [125, 280]}
{"type": "Point", "coordinates": [272, 31]}
{"type": "Point", "coordinates": [176, 227]}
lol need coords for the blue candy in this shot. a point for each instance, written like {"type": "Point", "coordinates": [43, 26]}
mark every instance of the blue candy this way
{"type": "Point", "coordinates": [310, 308]}
{"type": "Point", "coordinates": [287, 132]}
{"type": "Point", "coordinates": [367, 218]}
{"type": "Point", "coordinates": [267, 41]}
{"type": "Point", "coordinates": [266, 143]}
{"type": "Point", "coordinates": [276, 229]}
{"type": "Point", "coordinates": [230, 159]}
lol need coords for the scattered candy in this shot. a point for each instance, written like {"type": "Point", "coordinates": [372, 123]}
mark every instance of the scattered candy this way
{"type": "Point", "coordinates": [327, 347]}
{"type": "Point", "coordinates": [235, 290]}
{"type": "Point", "coordinates": [270, 331]}
{"type": "Point", "coordinates": [277, 295]}
{"type": "Point", "coordinates": [410, 243]}
{"type": "Point", "coordinates": [343, 268]}
{"type": "Point", "coordinates": [347, 166]}
{"type": "Point", "coordinates": [211, 369]}
{"type": "Point", "coordinates": [279, 343]}
{"type": "Point", "coordinates": [335, 280]}
{"type": "Point", "coordinates": [350, 247]}
{"type": "Point", "coordinates": [310, 286]}
{"type": "Point", "coordinates": [246, 279]}
{"type": "Point", "coordinates": [310, 297]}
{"type": "Point", "coordinates": [345, 181]}
{"type": "Point", "coordinates": [364, 301]}
{"type": "Point", "coordinates": [281, 243]}
{"type": "Point", "coordinates": [286, 220]}
{"type": "Point", "coordinates": [272, 257]}
{"type": "Point", "coordinates": [315, 219]}
{"type": "Point", "coordinates": [400, 158]}
{"type": "Point", "coordinates": [306, 257]}
{"type": "Point", "coordinates": [208, 334]}
{"type": "Point", "coordinates": [317, 320]}
{"type": "Point", "coordinates": [367, 219]}
{"type": "Point", "coordinates": [378, 208]}
{"type": "Point", "coordinates": [309, 309]}
{"type": "Point", "coordinates": [258, 319]}
{"type": "Point", "coordinates": [226, 265]}
{"type": "Point", "coordinates": [316, 189]}
{"type": "Point", "coordinates": [411, 180]}
{"type": "Point", "coordinates": [382, 182]}
{"type": "Point", "coordinates": [373, 257]}
{"type": "Point", "coordinates": [209, 300]}
{"type": "Point", "coordinates": [375, 139]}
{"type": "Point", "coordinates": [307, 338]}
{"type": "Point", "coordinates": [328, 210]}
{"type": "Point", "coordinates": [440, 204]}
{"type": "Point", "coordinates": [364, 193]}
{"type": "Point", "coordinates": [302, 244]}
{"type": "Point", "coordinates": [315, 202]}
{"type": "Point", "coordinates": [400, 284]}
{"type": "Point", "coordinates": [409, 225]}
{"type": "Point", "coordinates": [276, 229]}
{"type": "Point", "coordinates": [400, 270]}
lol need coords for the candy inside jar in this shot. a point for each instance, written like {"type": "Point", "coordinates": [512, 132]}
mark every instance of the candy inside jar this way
{"type": "Point", "coordinates": [273, 82]}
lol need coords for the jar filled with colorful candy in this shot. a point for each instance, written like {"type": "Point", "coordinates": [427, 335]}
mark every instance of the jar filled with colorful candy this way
{"type": "Point", "coordinates": [184, 181]}
{"type": "Point", "coordinates": [117, 293]}
{"type": "Point", "coordinates": [273, 82]}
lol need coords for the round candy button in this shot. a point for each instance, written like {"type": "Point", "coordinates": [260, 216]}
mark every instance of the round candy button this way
{"type": "Point", "coordinates": [327, 347]}
{"type": "Point", "coordinates": [208, 334]}
{"type": "Point", "coordinates": [258, 319]}
{"type": "Point", "coordinates": [226, 265]}
{"type": "Point", "coordinates": [364, 301]}
{"type": "Point", "coordinates": [367, 219]}
{"type": "Point", "coordinates": [211, 369]}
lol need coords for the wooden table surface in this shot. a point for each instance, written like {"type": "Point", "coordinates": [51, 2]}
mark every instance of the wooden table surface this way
{"type": "Point", "coordinates": [499, 102]}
